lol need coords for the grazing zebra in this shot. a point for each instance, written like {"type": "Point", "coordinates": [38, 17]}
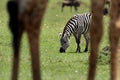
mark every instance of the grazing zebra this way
{"type": "Point", "coordinates": [77, 25]}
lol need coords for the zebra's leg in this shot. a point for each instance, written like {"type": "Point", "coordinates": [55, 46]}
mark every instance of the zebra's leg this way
{"type": "Point", "coordinates": [77, 38]}
{"type": "Point", "coordinates": [87, 42]}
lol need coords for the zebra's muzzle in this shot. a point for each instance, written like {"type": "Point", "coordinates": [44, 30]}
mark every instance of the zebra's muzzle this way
{"type": "Point", "coordinates": [62, 50]}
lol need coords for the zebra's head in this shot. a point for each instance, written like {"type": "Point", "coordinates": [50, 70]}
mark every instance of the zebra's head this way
{"type": "Point", "coordinates": [64, 43]}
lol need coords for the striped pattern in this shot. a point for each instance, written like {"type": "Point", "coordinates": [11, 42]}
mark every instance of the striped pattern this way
{"type": "Point", "coordinates": [77, 25]}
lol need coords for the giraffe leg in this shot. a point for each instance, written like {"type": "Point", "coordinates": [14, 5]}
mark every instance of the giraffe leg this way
{"type": "Point", "coordinates": [12, 8]}
{"type": "Point", "coordinates": [114, 35]}
{"type": "Point", "coordinates": [34, 49]}
{"type": "Point", "coordinates": [95, 34]}
{"type": "Point", "coordinates": [16, 47]}
{"type": "Point", "coordinates": [114, 38]}
{"type": "Point", "coordinates": [33, 26]}
{"type": "Point", "coordinates": [33, 30]}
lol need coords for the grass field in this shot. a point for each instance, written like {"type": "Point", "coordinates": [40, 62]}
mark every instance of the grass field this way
{"type": "Point", "coordinates": [55, 66]}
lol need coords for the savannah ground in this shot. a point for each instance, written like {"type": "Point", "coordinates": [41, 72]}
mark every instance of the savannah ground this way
{"type": "Point", "coordinates": [55, 66]}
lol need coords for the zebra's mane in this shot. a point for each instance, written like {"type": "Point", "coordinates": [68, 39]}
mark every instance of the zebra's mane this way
{"type": "Point", "coordinates": [66, 29]}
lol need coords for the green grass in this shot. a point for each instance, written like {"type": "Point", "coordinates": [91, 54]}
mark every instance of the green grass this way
{"type": "Point", "coordinates": [55, 66]}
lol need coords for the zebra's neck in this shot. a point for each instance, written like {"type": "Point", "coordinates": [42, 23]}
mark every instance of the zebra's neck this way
{"type": "Point", "coordinates": [67, 34]}
{"type": "Point", "coordinates": [68, 31]}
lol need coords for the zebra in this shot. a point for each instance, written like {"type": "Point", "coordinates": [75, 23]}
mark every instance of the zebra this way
{"type": "Point", "coordinates": [77, 25]}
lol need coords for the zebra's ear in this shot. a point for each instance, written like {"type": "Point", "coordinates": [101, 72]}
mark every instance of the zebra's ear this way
{"type": "Point", "coordinates": [60, 34]}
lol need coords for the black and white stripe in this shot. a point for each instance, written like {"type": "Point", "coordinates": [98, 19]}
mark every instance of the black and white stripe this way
{"type": "Point", "coordinates": [77, 25]}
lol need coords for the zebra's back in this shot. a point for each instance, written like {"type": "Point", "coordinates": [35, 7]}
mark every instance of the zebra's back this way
{"type": "Point", "coordinates": [83, 22]}
{"type": "Point", "coordinates": [79, 23]}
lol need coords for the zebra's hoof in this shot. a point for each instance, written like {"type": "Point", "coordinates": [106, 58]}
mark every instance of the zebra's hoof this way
{"type": "Point", "coordinates": [85, 50]}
